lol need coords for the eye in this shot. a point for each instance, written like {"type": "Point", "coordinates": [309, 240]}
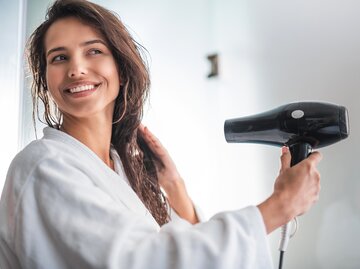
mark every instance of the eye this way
{"type": "Point", "coordinates": [95, 51]}
{"type": "Point", "coordinates": [58, 58]}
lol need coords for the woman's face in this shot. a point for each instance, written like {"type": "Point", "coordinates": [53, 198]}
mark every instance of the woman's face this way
{"type": "Point", "coordinates": [81, 72]}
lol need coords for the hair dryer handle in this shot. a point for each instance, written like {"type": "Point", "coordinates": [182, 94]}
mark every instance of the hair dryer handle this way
{"type": "Point", "coordinates": [299, 152]}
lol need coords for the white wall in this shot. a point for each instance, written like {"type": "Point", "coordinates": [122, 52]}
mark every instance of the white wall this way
{"type": "Point", "coordinates": [271, 53]}
{"type": "Point", "coordinates": [11, 47]}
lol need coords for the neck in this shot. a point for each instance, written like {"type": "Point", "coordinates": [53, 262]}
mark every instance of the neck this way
{"type": "Point", "coordinates": [94, 132]}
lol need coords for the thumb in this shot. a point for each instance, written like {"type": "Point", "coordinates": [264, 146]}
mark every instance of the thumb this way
{"type": "Point", "coordinates": [285, 159]}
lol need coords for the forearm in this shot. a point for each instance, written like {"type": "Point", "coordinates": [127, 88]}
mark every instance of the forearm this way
{"type": "Point", "coordinates": [181, 202]}
{"type": "Point", "coordinates": [275, 213]}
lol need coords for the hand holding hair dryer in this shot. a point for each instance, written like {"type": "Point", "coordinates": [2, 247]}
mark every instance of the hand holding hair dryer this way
{"type": "Point", "coordinates": [301, 126]}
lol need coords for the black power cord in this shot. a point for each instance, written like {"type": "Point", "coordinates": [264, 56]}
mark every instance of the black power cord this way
{"type": "Point", "coordinates": [281, 258]}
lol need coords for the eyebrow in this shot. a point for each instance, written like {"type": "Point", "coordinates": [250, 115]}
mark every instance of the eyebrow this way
{"type": "Point", "coordinates": [86, 43]}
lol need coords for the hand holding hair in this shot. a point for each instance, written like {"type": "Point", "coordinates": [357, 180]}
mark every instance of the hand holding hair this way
{"type": "Point", "coordinates": [169, 178]}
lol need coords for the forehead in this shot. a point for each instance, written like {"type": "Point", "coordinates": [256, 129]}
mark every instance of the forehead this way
{"type": "Point", "coordinates": [69, 31]}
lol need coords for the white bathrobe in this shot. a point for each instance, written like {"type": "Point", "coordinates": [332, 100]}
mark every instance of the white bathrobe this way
{"type": "Point", "coordinates": [62, 207]}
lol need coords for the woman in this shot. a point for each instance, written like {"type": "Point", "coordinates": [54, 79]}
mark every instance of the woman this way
{"type": "Point", "coordinates": [87, 195]}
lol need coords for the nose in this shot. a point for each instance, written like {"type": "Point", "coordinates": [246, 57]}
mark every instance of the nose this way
{"type": "Point", "coordinates": [77, 68]}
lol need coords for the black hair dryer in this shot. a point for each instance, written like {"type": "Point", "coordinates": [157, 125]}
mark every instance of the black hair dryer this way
{"type": "Point", "coordinates": [301, 126]}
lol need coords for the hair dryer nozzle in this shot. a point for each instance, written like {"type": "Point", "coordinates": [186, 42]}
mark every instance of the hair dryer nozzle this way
{"type": "Point", "coordinates": [315, 123]}
{"type": "Point", "coordinates": [344, 122]}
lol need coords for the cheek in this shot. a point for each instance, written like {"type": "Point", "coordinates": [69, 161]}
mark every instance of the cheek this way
{"type": "Point", "coordinates": [50, 77]}
{"type": "Point", "coordinates": [53, 79]}
{"type": "Point", "coordinates": [111, 72]}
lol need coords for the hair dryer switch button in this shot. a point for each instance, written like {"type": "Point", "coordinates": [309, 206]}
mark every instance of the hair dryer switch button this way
{"type": "Point", "coordinates": [297, 114]}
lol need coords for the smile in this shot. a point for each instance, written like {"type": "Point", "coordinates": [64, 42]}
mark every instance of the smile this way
{"type": "Point", "coordinates": [82, 88]}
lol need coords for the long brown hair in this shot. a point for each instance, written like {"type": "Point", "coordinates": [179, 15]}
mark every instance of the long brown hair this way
{"type": "Point", "coordinates": [138, 161]}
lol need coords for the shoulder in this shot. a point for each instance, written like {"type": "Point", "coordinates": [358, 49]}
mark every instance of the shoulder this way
{"type": "Point", "coordinates": [25, 164]}
{"type": "Point", "coordinates": [54, 147]}
{"type": "Point", "coordinates": [33, 154]}
{"type": "Point", "coordinates": [20, 177]}
{"type": "Point", "coordinates": [42, 160]}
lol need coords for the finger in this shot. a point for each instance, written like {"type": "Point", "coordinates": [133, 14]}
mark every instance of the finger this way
{"type": "Point", "coordinates": [158, 149]}
{"type": "Point", "coordinates": [285, 159]}
{"type": "Point", "coordinates": [151, 136]}
{"type": "Point", "coordinates": [317, 195]}
{"type": "Point", "coordinates": [141, 127]}
{"type": "Point", "coordinates": [154, 142]}
{"type": "Point", "coordinates": [315, 157]}
{"type": "Point", "coordinates": [146, 133]}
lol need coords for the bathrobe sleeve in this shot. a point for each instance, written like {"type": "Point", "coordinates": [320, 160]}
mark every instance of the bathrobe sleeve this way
{"type": "Point", "coordinates": [63, 220]}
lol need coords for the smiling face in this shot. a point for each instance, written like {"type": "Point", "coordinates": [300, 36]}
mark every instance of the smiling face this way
{"type": "Point", "coordinates": [81, 72]}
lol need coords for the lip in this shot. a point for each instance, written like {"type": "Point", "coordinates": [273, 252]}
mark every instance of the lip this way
{"type": "Point", "coordinates": [80, 83]}
{"type": "Point", "coordinates": [83, 93]}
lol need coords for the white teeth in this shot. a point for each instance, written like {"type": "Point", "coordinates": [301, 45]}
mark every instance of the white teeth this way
{"type": "Point", "coordinates": [82, 88]}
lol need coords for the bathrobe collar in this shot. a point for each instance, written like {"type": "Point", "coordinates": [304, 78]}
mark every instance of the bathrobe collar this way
{"type": "Point", "coordinates": [115, 184]}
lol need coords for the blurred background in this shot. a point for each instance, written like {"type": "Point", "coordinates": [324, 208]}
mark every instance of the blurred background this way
{"type": "Point", "coordinates": [269, 53]}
